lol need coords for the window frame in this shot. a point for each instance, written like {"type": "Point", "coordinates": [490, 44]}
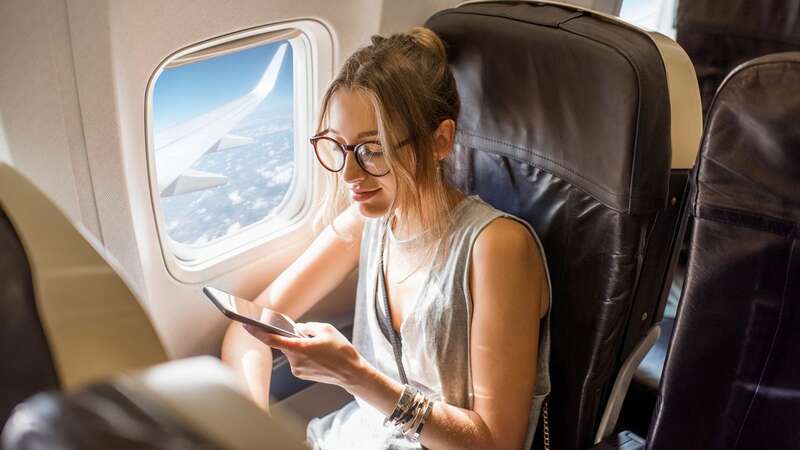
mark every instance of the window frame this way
{"type": "Point", "coordinates": [663, 26]}
{"type": "Point", "coordinates": [312, 53]}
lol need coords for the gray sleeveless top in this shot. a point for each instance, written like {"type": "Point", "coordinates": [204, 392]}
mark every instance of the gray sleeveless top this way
{"type": "Point", "coordinates": [435, 336]}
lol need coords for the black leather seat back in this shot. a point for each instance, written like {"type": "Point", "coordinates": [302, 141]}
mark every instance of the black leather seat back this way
{"type": "Point", "coordinates": [87, 308]}
{"type": "Point", "coordinates": [98, 417]}
{"type": "Point", "coordinates": [565, 123]}
{"type": "Point", "coordinates": [732, 378]}
{"type": "Point", "coordinates": [27, 366]}
{"type": "Point", "coordinates": [720, 34]}
{"type": "Point", "coordinates": [193, 403]}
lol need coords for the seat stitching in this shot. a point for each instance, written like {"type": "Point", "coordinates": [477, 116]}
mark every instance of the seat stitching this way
{"type": "Point", "coordinates": [721, 214]}
{"type": "Point", "coordinates": [548, 159]}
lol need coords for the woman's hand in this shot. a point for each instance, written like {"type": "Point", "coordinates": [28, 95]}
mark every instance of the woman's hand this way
{"type": "Point", "coordinates": [324, 355]}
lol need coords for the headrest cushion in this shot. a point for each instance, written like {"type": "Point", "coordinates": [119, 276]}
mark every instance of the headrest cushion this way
{"type": "Point", "coordinates": [577, 95]}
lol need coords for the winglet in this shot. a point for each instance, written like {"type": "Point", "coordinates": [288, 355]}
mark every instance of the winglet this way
{"type": "Point", "coordinates": [270, 76]}
{"type": "Point", "coordinates": [193, 180]}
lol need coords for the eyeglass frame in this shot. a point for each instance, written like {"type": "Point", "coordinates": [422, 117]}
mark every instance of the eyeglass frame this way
{"type": "Point", "coordinates": [350, 148]}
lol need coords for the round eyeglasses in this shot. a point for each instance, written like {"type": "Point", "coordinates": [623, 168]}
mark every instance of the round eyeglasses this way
{"type": "Point", "coordinates": [369, 155]}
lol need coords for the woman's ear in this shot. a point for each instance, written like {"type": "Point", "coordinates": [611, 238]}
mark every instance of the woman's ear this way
{"type": "Point", "coordinates": [443, 138]}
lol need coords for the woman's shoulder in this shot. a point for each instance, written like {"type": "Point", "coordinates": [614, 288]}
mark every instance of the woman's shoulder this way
{"type": "Point", "coordinates": [475, 211]}
{"type": "Point", "coordinates": [500, 236]}
{"type": "Point", "coordinates": [373, 224]}
{"type": "Point", "coordinates": [373, 228]}
{"type": "Point", "coordinates": [507, 238]}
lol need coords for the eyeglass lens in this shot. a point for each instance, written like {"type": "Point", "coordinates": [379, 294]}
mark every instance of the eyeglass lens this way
{"type": "Point", "coordinates": [369, 155]}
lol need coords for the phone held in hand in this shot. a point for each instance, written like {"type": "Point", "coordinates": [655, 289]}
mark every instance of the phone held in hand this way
{"type": "Point", "coordinates": [249, 313]}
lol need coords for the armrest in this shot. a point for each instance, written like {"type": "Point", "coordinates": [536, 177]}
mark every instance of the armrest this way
{"type": "Point", "coordinates": [621, 384]}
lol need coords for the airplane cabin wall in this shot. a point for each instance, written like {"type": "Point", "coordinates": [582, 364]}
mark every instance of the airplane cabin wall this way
{"type": "Point", "coordinates": [5, 153]}
{"type": "Point", "coordinates": [39, 109]}
{"type": "Point", "coordinates": [72, 111]}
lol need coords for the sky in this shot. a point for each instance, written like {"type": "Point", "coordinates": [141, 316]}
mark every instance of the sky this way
{"type": "Point", "coordinates": [187, 91]}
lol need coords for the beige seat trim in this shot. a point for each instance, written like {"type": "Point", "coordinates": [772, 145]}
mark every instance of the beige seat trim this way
{"type": "Point", "coordinates": [94, 324]}
{"type": "Point", "coordinates": [684, 101]}
{"type": "Point", "coordinates": [202, 393]}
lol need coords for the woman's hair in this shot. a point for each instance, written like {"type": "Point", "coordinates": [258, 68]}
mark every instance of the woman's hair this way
{"type": "Point", "coordinates": [407, 80]}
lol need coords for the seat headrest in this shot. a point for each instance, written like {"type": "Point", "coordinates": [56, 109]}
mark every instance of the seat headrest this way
{"type": "Point", "coordinates": [750, 156]}
{"type": "Point", "coordinates": [769, 20]}
{"type": "Point", "coordinates": [568, 91]}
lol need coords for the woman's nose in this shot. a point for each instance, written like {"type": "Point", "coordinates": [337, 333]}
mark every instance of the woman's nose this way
{"type": "Point", "coordinates": [352, 171]}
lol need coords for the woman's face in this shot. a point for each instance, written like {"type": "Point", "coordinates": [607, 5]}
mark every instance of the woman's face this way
{"type": "Point", "coordinates": [352, 120]}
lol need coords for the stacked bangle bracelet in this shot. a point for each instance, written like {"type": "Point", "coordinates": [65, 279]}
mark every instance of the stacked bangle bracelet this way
{"type": "Point", "coordinates": [409, 415]}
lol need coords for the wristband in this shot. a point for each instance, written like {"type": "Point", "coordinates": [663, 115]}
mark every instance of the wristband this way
{"type": "Point", "coordinates": [425, 416]}
{"type": "Point", "coordinates": [403, 405]}
{"type": "Point", "coordinates": [407, 423]}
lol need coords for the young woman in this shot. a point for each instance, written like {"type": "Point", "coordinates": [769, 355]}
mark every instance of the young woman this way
{"type": "Point", "coordinates": [447, 347]}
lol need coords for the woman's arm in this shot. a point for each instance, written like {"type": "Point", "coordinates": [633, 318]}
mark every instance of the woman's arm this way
{"type": "Point", "coordinates": [507, 282]}
{"type": "Point", "coordinates": [319, 270]}
{"type": "Point", "coordinates": [509, 293]}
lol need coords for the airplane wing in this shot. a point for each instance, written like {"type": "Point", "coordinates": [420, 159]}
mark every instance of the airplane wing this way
{"type": "Point", "coordinates": [178, 147]}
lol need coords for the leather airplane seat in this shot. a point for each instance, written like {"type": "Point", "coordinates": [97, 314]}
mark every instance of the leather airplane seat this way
{"type": "Point", "coordinates": [27, 369]}
{"type": "Point", "coordinates": [190, 404]}
{"type": "Point", "coordinates": [567, 121]}
{"type": "Point", "coordinates": [719, 35]}
{"type": "Point", "coordinates": [731, 378]}
{"type": "Point", "coordinates": [68, 317]}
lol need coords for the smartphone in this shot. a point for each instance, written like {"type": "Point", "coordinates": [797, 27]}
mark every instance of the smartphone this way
{"type": "Point", "coordinates": [247, 312]}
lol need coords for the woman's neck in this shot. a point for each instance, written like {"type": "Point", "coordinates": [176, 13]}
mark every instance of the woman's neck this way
{"type": "Point", "coordinates": [407, 227]}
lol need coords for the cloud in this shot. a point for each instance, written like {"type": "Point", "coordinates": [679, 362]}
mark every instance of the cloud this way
{"type": "Point", "coordinates": [235, 198]}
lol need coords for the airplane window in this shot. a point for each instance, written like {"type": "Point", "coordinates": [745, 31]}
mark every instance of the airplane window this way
{"type": "Point", "coordinates": [223, 132]}
{"type": "Point", "coordinates": [651, 15]}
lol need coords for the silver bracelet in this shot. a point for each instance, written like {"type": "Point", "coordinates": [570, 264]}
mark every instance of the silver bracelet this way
{"type": "Point", "coordinates": [425, 416]}
{"type": "Point", "coordinates": [411, 429]}
{"type": "Point", "coordinates": [405, 422]}
{"type": "Point", "coordinates": [403, 405]}
{"type": "Point", "coordinates": [411, 411]}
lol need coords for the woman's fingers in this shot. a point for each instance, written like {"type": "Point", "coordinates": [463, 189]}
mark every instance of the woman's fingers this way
{"type": "Point", "coordinates": [325, 356]}
{"type": "Point", "coordinates": [312, 329]}
{"type": "Point", "coordinates": [309, 329]}
{"type": "Point", "coordinates": [271, 339]}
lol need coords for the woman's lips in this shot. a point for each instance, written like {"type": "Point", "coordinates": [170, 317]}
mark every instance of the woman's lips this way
{"type": "Point", "coordinates": [364, 195]}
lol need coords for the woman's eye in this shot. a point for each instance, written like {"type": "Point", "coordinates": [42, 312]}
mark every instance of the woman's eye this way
{"type": "Point", "coordinates": [373, 150]}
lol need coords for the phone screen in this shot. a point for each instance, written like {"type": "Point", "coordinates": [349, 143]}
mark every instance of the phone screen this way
{"type": "Point", "coordinates": [238, 308]}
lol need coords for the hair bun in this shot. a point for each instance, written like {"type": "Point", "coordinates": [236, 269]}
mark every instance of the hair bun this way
{"type": "Point", "coordinates": [427, 39]}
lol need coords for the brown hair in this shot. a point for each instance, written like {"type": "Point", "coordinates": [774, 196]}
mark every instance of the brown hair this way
{"type": "Point", "coordinates": [412, 90]}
